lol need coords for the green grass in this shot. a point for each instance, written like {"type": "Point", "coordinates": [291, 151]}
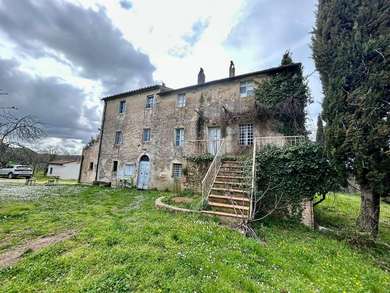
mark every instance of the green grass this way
{"type": "Point", "coordinates": [125, 244]}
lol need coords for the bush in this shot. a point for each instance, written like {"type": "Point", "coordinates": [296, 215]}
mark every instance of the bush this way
{"type": "Point", "coordinates": [286, 176]}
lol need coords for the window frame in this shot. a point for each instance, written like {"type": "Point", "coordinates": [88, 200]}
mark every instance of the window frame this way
{"type": "Point", "coordinates": [179, 136]}
{"type": "Point", "coordinates": [118, 139]}
{"type": "Point", "coordinates": [132, 169]}
{"type": "Point", "coordinates": [181, 100]}
{"type": "Point", "coordinates": [248, 92]}
{"type": "Point", "coordinates": [150, 105]}
{"type": "Point", "coordinates": [115, 166]}
{"type": "Point", "coordinates": [246, 134]}
{"type": "Point", "coordinates": [122, 107]}
{"type": "Point", "coordinates": [177, 173]}
{"type": "Point", "coordinates": [149, 131]}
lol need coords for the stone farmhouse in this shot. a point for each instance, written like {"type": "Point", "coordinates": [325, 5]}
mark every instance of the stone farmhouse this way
{"type": "Point", "coordinates": [151, 136]}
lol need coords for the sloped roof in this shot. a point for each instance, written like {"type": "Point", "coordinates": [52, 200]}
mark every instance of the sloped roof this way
{"type": "Point", "coordinates": [227, 79]}
{"type": "Point", "coordinates": [63, 162]}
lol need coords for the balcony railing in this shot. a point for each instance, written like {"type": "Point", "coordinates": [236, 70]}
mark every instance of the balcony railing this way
{"type": "Point", "coordinates": [200, 147]}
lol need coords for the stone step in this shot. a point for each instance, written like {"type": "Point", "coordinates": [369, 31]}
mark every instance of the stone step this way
{"type": "Point", "coordinates": [228, 191]}
{"type": "Point", "coordinates": [222, 214]}
{"type": "Point", "coordinates": [229, 184]}
{"type": "Point", "coordinates": [216, 198]}
{"type": "Point", "coordinates": [228, 206]}
{"type": "Point", "coordinates": [223, 177]}
{"type": "Point", "coordinates": [229, 172]}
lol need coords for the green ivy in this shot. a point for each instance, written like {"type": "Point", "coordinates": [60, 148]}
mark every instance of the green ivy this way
{"type": "Point", "coordinates": [200, 158]}
{"type": "Point", "coordinates": [288, 175]}
{"type": "Point", "coordinates": [284, 97]}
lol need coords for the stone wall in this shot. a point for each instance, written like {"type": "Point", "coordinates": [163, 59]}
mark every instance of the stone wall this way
{"type": "Point", "coordinates": [206, 106]}
{"type": "Point", "coordinates": [195, 174]}
{"type": "Point", "coordinates": [89, 156]}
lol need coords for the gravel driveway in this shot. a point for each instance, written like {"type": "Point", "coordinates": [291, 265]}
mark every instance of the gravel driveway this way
{"type": "Point", "coordinates": [15, 189]}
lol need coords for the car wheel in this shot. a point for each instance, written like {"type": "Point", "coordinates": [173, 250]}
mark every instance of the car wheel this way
{"type": "Point", "coordinates": [10, 176]}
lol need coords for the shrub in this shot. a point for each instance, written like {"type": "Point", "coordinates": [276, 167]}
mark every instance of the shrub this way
{"type": "Point", "coordinates": [285, 176]}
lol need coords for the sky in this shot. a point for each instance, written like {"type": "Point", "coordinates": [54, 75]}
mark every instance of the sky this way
{"type": "Point", "coordinates": [58, 58]}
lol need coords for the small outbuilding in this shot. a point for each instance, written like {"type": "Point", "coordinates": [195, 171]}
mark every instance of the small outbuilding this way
{"type": "Point", "coordinates": [64, 169]}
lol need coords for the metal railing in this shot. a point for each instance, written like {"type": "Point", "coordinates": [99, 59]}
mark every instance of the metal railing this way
{"type": "Point", "coordinates": [202, 146]}
{"type": "Point", "coordinates": [212, 172]}
{"type": "Point", "coordinates": [258, 144]}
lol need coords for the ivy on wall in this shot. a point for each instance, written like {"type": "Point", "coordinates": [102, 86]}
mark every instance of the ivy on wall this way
{"type": "Point", "coordinates": [285, 176]}
{"type": "Point", "coordinates": [284, 97]}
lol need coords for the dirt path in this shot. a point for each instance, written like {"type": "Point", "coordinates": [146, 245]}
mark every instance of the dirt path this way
{"type": "Point", "coordinates": [12, 256]}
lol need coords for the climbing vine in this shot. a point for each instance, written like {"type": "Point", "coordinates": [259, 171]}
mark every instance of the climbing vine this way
{"type": "Point", "coordinates": [285, 176]}
{"type": "Point", "coordinates": [284, 97]}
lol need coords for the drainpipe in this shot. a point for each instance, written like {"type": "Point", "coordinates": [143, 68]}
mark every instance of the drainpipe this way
{"type": "Point", "coordinates": [101, 139]}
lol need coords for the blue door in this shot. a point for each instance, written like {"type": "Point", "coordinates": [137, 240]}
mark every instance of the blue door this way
{"type": "Point", "coordinates": [143, 173]}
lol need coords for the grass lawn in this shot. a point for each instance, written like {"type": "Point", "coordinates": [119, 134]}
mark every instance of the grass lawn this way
{"type": "Point", "coordinates": [124, 244]}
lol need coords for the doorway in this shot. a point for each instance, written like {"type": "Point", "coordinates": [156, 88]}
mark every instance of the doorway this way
{"type": "Point", "coordinates": [143, 173]}
{"type": "Point", "coordinates": [214, 139]}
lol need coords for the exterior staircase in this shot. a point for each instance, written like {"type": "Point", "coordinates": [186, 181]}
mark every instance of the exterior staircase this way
{"type": "Point", "coordinates": [230, 193]}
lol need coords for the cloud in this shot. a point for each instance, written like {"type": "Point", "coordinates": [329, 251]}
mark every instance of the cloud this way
{"type": "Point", "coordinates": [189, 40]}
{"type": "Point", "coordinates": [197, 30]}
{"type": "Point", "coordinates": [125, 4]}
{"type": "Point", "coordinates": [266, 29]}
{"type": "Point", "coordinates": [83, 38]}
{"type": "Point", "coordinates": [57, 105]}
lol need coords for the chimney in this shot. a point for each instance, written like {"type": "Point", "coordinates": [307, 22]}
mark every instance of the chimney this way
{"type": "Point", "coordinates": [232, 69]}
{"type": "Point", "coordinates": [201, 76]}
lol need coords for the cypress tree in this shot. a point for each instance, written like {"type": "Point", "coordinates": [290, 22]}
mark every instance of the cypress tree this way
{"type": "Point", "coordinates": [351, 50]}
{"type": "Point", "coordinates": [320, 131]}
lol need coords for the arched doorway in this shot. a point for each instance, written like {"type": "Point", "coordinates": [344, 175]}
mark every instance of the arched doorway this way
{"type": "Point", "coordinates": [143, 172]}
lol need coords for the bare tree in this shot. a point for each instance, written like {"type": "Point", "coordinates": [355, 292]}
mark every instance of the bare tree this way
{"type": "Point", "coordinates": [17, 131]}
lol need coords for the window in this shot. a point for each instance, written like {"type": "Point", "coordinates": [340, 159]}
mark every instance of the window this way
{"type": "Point", "coordinates": [181, 100]}
{"type": "Point", "coordinates": [246, 88]}
{"type": "Point", "coordinates": [179, 136]}
{"type": "Point", "coordinates": [150, 101]}
{"type": "Point", "coordinates": [246, 134]}
{"type": "Point", "coordinates": [146, 136]}
{"type": "Point", "coordinates": [177, 170]}
{"type": "Point", "coordinates": [129, 170]}
{"type": "Point", "coordinates": [122, 106]}
{"type": "Point", "coordinates": [118, 137]}
{"type": "Point", "coordinates": [91, 166]}
{"type": "Point", "coordinates": [51, 170]}
{"type": "Point", "coordinates": [114, 166]}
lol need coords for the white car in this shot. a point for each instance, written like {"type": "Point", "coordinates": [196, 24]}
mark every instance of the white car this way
{"type": "Point", "coordinates": [13, 171]}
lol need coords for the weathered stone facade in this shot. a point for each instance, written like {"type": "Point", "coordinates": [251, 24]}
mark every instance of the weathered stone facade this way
{"type": "Point", "coordinates": [89, 161]}
{"type": "Point", "coordinates": [211, 104]}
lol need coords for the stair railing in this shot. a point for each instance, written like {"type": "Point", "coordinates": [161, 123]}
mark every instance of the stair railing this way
{"type": "Point", "coordinates": [212, 172]}
{"type": "Point", "coordinates": [252, 204]}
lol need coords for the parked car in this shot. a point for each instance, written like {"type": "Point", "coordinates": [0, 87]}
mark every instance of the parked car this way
{"type": "Point", "coordinates": [14, 171]}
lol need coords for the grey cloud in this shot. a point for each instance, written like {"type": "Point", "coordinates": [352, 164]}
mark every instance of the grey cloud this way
{"type": "Point", "coordinates": [86, 39]}
{"type": "Point", "coordinates": [125, 4]}
{"type": "Point", "coordinates": [269, 28]}
{"type": "Point", "coordinates": [57, 105]}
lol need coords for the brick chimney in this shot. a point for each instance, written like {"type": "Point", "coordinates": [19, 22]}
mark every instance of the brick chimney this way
{"type": "Point", "coordinates": [201, 76]}
{"type": "Point", "coordinates": [232, 69]}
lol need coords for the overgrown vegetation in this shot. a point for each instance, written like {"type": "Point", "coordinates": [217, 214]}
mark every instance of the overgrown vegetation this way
{"type": "Point", "coordinates": [124, 244]}
{"type": "Point", "coordinates": [200, 158]}
{"type": "Point", "coordinates": [283, 97]}
{"type": "Point", "coordinates": [285, 176]}
{"type": "Point", "coordinates": [351, 49]}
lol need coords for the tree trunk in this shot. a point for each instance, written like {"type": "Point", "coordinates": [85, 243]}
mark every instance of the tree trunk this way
{"type": "Point", "coordinates": [369, 211]}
